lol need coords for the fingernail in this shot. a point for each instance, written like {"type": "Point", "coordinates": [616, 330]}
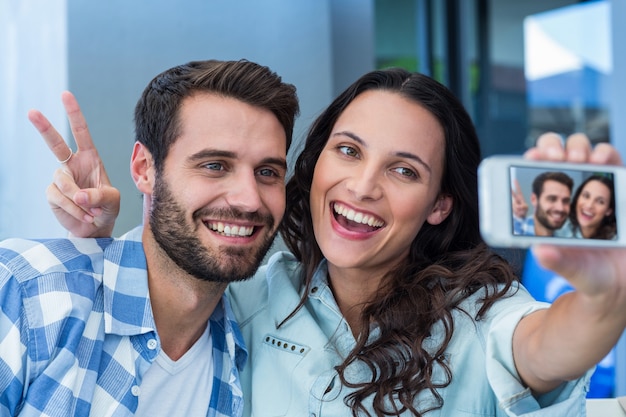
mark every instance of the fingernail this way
{"type": "Point", "coordinates": [80, 197]}
{"type": "Point", "coordinates": [554, 153]}
{"type": "Point", "coordinates": [576, 155]}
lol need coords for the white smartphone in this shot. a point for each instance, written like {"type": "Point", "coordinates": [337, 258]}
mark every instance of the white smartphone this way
{"type": "Point", "coordinates": [526, 202]}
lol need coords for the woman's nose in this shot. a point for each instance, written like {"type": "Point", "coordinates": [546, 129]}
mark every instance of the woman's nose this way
{"type": "Point", "coordinates": [365, 184]}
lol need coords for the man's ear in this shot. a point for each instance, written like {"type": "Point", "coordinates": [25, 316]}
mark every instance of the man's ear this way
{"type": "Point", "coordinates": [533, 199]}
{"type": "Point", "coordinates": [142, 168]}
{"type": "Point", "coordinates": [441, 209]}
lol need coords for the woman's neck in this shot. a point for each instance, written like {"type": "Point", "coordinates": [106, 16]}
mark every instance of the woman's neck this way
{"type": "Point", "coordinates": [352, 290]}
{"type": "Point", "coordinates": [587, 232]}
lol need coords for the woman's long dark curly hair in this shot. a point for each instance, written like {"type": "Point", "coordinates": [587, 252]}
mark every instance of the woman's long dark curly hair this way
{"type": "Point", "coordinates": [447, 262]}
{"type": "Point", "coordinates": [608, 226]}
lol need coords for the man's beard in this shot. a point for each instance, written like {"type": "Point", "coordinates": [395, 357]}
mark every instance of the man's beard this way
{"type": "Point", "coordinates": [542, 217]}
{"type": "Point", "coordinates": [179, 241]}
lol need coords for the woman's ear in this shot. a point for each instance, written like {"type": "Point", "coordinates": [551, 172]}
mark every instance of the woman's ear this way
{"type": "Point", "coordinates": [142, 168]}
{"type": "Point", "coordinates": [441, 209]}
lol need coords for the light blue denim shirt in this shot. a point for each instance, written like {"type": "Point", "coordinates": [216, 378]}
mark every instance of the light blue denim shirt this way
{"type": "Point", "coordinates": [291, 369]}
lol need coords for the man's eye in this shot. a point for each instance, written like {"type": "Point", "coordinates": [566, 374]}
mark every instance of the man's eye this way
{"type": "Point", "coordinates": [214, 166]}
{"type": "Point", "coordinates": [267, 172]}
{"type": "Point", "coordinates": [348, 150]}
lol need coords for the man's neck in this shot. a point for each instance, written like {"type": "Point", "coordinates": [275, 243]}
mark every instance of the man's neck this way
{"type": "Point", "coordinates": [540, 230]}
{"type": "Point", "coordinates": [181, 313]}
{"type": "Point", "coordinates": [181, 304]}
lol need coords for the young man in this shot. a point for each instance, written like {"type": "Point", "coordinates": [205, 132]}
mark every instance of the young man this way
{"type": "Point", "coordinates": [115, 327]}
{"type": "Point", "coordinates": [551, 196]}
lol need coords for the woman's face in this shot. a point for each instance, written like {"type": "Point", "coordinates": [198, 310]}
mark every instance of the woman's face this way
{"type": "Point", "coordinates": [376, 182]}
{"type": "Point", "coordinates": [593, 205]}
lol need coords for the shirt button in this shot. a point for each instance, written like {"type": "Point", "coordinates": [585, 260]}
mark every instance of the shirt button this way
{"type": "Point", "coordinates": [152, 344]}
{"type": "Point", "coordinates": [135, 390]}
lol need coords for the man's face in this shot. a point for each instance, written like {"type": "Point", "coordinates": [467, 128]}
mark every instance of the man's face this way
{"type": "Point", "coordinates": [217, 204]}
{"type": "Point", "coordinates": [553, 205]}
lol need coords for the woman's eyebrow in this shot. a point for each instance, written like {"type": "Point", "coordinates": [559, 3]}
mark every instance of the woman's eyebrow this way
{"type": "Point", "coordinates": [416, 158]}
{"type": "Point", "coordinates": [351, 135]}
{"type": "Point", "coordinates": [407, 155]}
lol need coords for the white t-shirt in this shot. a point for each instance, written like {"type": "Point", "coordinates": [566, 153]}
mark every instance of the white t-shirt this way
{"type": "Point", "coordinates": [182, 387]}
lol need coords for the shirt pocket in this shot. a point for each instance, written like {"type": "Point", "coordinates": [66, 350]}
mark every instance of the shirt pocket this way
{"type": "Point", "coordinates": [274, 383]}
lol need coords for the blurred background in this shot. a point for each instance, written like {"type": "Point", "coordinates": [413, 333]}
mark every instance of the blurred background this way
{"type": "Point", "coordinates": [521, 67]}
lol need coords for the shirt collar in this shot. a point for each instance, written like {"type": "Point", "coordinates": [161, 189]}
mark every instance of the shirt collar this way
{"type": "Point", "coordinates": [127, 309]}
{"type": "Point", "coordinates": [320, 277]}
{"type": "Point", "coordinates": [226, 332]}
{"type": "Point", "coordinates": [320, 288]}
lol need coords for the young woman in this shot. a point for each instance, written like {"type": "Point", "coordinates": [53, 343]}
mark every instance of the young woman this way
{"type": "Point", "coordinates": [592, 213]}
{"type": "Point", "coordinates": [389, 302]}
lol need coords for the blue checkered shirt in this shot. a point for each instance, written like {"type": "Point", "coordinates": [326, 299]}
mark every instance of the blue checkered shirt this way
{"type": "Point", "coordinates": [524, 227]}
{"type": "Point", "coordinates": [77, 332]}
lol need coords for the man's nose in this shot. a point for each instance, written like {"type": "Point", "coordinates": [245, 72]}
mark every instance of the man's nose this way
{"type": "Point", "coordinates": [244, 192]}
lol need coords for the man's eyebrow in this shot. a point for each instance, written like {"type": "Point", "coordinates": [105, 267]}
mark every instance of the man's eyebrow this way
{"type": "Point", "coordinates": [281, 162]}
{"type": "Point", "coordinates": [212, 153]}
{"type": "Point", "coordinates": [217, 153]}
{"type": "Point", "coordinates": [408, 155]}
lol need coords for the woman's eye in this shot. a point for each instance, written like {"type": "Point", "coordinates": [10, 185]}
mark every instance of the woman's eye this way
{"type": "Point", "coordinates": [348, 150]}
{"type": "Point", "coordinates": [406, 172]}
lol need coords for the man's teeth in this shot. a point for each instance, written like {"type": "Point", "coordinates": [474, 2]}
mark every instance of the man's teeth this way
{"type": "Point", "coordinates": [231, 230]}
{"type": "Point", "coordinates": [356, 216]}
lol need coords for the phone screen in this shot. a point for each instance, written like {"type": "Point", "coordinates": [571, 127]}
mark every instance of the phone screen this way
{"type": "Point", "coordinates": [576, 204]}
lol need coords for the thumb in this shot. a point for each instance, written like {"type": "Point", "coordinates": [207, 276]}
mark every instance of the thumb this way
{"type": "Point", "coordinates": [589, 270]}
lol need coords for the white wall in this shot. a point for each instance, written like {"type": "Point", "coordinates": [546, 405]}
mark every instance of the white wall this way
{"type": "Point", "coordinates": [33, 71]}
{"type": "Point", "coordinates": [117, 46]}
{"type": "Point", "coordinates": [106, 53]}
